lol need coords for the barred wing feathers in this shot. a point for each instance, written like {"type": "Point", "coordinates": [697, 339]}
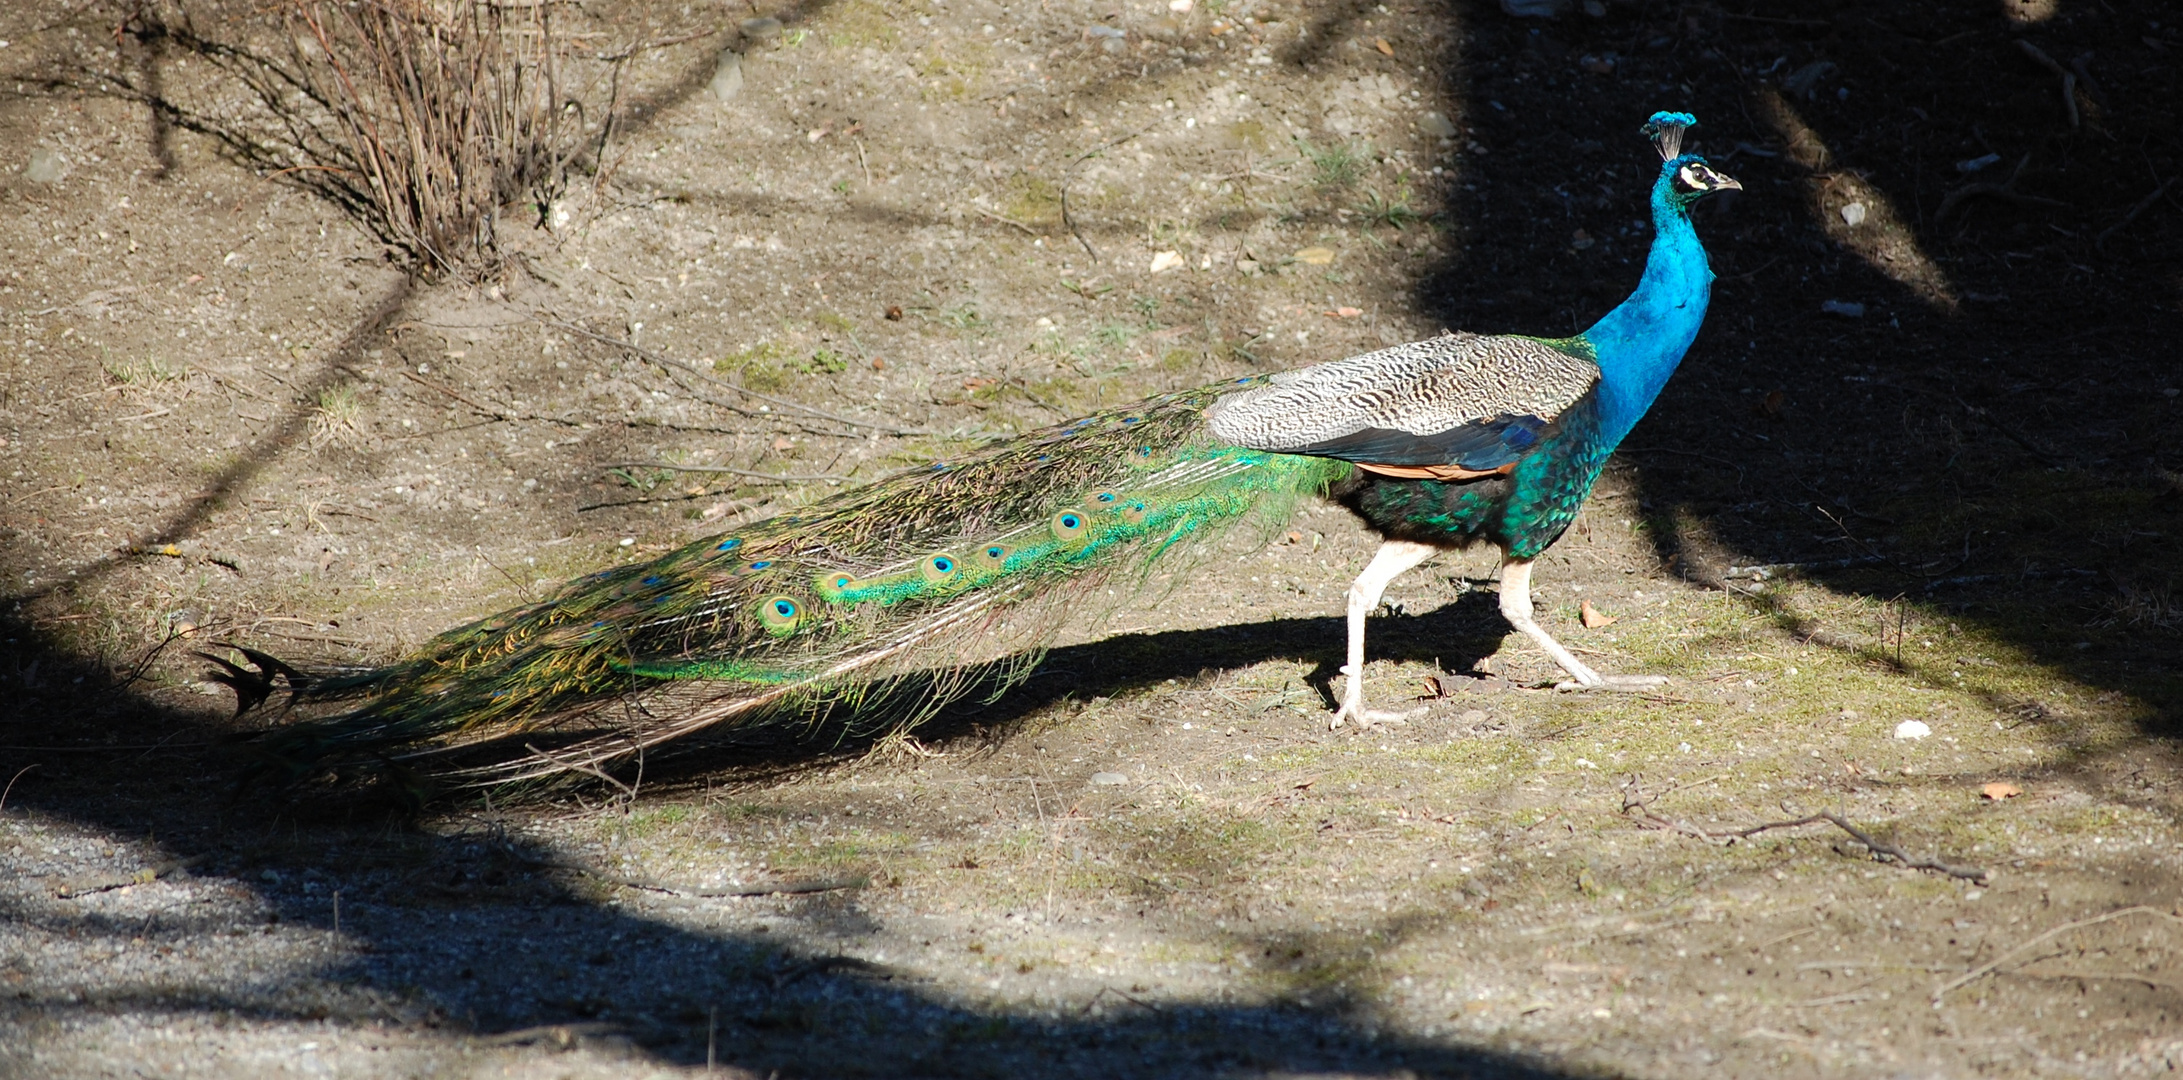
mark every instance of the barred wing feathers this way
{"type": "Point", "coordinates": [1466, 400]}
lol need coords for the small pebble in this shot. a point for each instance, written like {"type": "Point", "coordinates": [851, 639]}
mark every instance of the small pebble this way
{"type": "Point", "coordinates": [46, 167]}
{"type": "Point", "coordinates": [761, 28]}
{"type": "Point", "coordinates": [1109, 779]}
{"type": "Point", "coordinates": [1912, 729]}
{"type": "Point", "coordinates": [1436, 125]}
{"type": "Point", "coordinates": [728, 77]}
{"type": "Point", "coordinates": [1853, 214]}
{"type": "Point", "coordinates": [1473, 716]}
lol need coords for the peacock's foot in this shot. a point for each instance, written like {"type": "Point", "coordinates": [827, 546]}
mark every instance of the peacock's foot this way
{"type": "Point", "coordinates": [1369, 719]}
{"type": "Point", "coordinates": [1618, 684]}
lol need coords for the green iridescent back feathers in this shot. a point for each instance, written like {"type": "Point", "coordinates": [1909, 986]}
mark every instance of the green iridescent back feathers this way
{"type": "Point", "coordinates": [908, 587]}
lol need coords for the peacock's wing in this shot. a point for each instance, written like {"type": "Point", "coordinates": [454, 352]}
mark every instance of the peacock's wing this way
{"type": "Point", "coordinates": [1466, 400]}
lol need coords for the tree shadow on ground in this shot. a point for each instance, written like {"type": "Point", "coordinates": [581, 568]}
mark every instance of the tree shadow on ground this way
{"type": "Point", "coordinates": [1944, 384]}
{"type": "Point", "coordinates": [472, 930]}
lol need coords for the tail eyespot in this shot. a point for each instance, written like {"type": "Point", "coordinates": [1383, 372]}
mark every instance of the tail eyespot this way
{"type": "Point", "coordinates": [991, 556]}
{"type": "Point", "coordinates": [1133, 511]}
{"type": "Point", "coordinates": [1105, 498]}
{"type": "Point", "coordinates": [940, 568]}
{"type": "Point", "coordinates": [756, 567]}
{"type": "Point", "coordinates": [838, 584]}
{"type": "Point", "coordinates": [729, 544]}
{"type": "Point", "coordinates": [780, 615]}
{"type": "Point", "coordinates": [1069, 525]}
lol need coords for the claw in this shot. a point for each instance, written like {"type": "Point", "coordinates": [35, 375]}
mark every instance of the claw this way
{"type": "Point", "coordinates": [1371, 719]}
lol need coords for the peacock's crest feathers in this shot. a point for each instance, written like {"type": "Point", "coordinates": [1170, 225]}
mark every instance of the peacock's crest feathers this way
{"type": "Point", "coordinates": [1666, 129]}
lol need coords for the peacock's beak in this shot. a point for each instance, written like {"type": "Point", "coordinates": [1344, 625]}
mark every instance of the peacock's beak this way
{"type": "Point", "coordinates": [1722, 182]}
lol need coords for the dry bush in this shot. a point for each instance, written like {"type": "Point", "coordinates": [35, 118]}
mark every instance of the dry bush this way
{"type": "Point", "coordinates": [422, 119]}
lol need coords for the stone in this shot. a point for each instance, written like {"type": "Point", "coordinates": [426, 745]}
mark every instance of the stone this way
{"type": "Point", "coordinates": [1913, 729]}
{"type": "Point", "coordinates": [46, 167]}
{"type": "Point", "coordinates": [1436, 125]}
{"type": "Point", "coordinates": [1109, 779]}
{"type": "Point", "coordinates": [727, 77]}
{"type": "Point", "coordinates": [761, 29]}
{"type": "Point", "coordinates": [1853, 214]}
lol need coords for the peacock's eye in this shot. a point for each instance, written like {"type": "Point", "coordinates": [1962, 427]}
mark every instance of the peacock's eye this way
{"type": "Point", "coordinates": [781, 615]}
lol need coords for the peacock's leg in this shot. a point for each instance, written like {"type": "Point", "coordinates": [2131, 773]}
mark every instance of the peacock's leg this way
{"type": "Point", "coordinates": [1393, 557]}
{"type": "Point", "coordinates": [1516, 608]}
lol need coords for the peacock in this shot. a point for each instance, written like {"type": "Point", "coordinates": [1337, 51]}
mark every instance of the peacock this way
{"type": "Point", "coordinates": [883, 601]}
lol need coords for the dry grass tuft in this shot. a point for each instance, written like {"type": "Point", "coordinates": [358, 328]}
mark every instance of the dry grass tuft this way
{"type": "Point", "coordinates": [422, 119]}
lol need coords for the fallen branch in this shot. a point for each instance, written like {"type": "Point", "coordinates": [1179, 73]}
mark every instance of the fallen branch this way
{"type": "Point", "coordinates": [1990, 966]}
{"type": "Point", "coordinates": [1636, 806]}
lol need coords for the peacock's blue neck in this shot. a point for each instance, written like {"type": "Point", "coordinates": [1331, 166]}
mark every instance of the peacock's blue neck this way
{"type": "Point", "coordinates": [1639, 343]}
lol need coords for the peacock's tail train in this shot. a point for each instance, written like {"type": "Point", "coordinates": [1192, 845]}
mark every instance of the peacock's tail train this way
{"type": "Point", "coordinates": [885, 600]}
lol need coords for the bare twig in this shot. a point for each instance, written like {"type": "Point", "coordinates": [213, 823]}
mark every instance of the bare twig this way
{"type": "Point", "coordinates": [2099, 243]}
{"type": "Point", "coordinates": [783, 888]}
{"type": "Point", "coordinates": [1638, 807]}
{"type": "Point", "coordinates": [2069, 80]}
{"type": "Point", "coordinates": [655, 359]}
{"type": "Point", "coordinates": [1989, 967]}
{"type": "Point", "coordinates": [6, 791]}
{"type": "Point", "coordinates": [1070, 175]}
{"type": "Point", "coordinates": [138, 671]}
{"type": "Point", "coordinates": [1005, 220]}
{"type": "Point", "coordinates": [587, 769]}
{"type": "Point", "coordinates": [785, 478]}
{"type": "Point", "coordinates": [70, 888]}
{"type": "Point", "coordinates": [2005, 191]}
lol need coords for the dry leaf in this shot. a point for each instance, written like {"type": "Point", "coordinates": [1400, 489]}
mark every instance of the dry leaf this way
{"type": "Point", "coordinates": [1999, 790]}
{"type": "Point", "coordinates": [782, 443]}
{"type": "Point", "coordinates": [1592, 617]}
{"type": "Point", "coordinates": [1382, 45]}
{"type": "Point", "coordinates": [1165, 261]}
{"type": "Point", "coordinates": [1316, 256]}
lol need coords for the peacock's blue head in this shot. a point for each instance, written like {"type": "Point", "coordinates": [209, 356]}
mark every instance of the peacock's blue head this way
{"type": "Point", "coordinates": [1684, 178]}
{"type": "Point", "coordinates": [1688, 179]}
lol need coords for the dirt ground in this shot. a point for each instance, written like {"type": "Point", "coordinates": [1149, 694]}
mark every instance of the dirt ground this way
{"type": "Point", "coordinates": [1925, 464]}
